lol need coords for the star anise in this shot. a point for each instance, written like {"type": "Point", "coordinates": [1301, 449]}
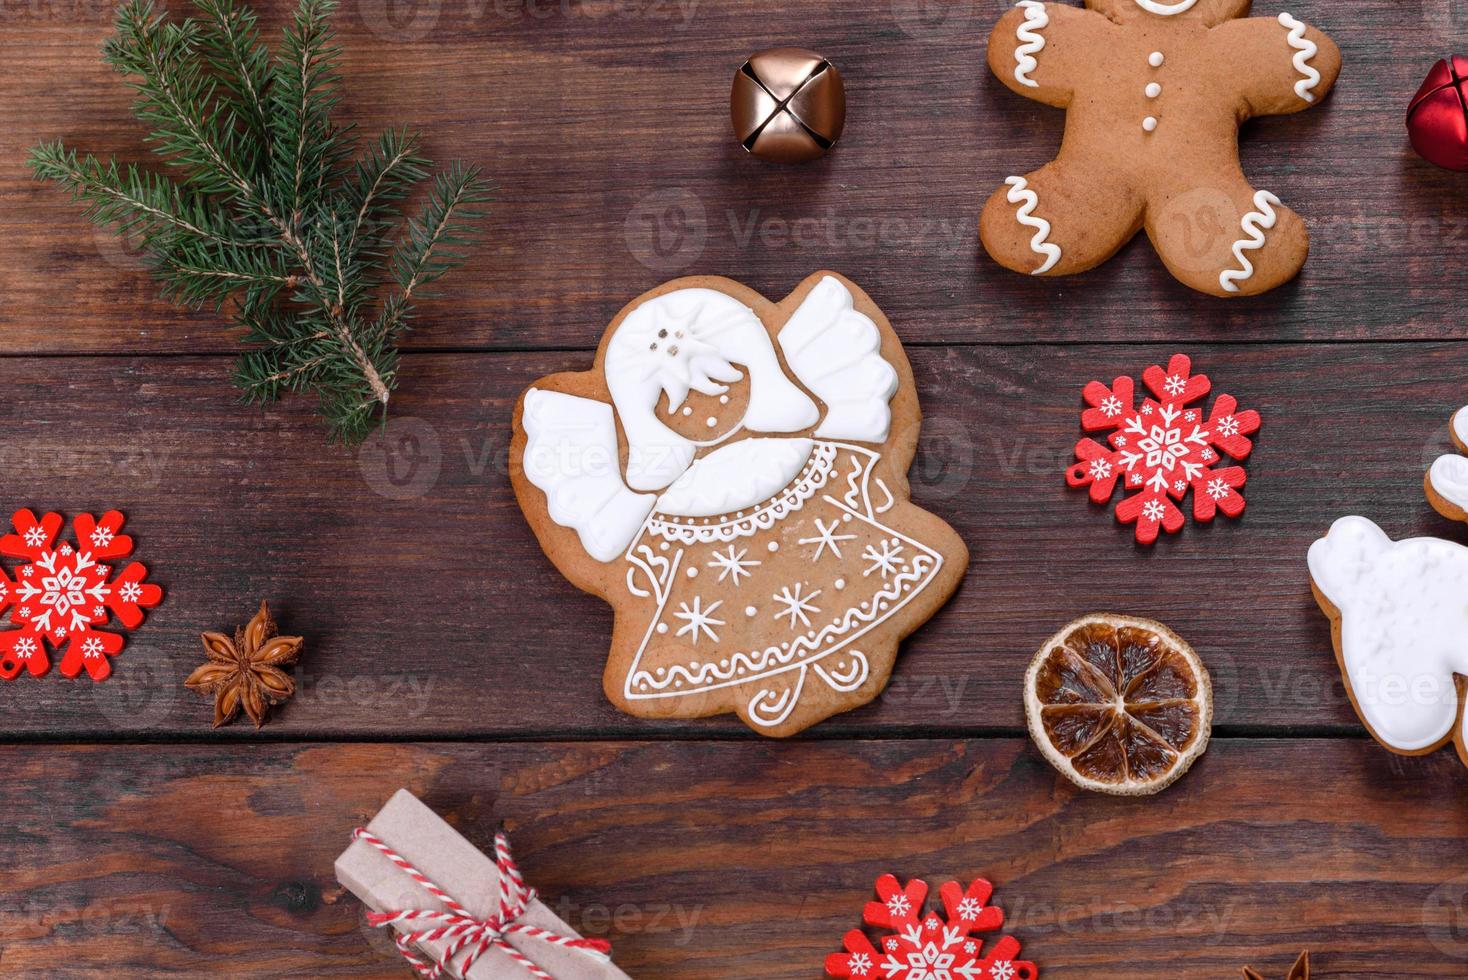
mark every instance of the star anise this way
{"type": "Point", "coordinates": [245, 672]}
{"type": "Point", "coordinates": [1300, 971]}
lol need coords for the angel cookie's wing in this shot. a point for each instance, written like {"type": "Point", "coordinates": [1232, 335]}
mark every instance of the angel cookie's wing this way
{"type": "Point", "coordinates": [835, 351]}
{"type": "Point", "coordinates": [571, 455]}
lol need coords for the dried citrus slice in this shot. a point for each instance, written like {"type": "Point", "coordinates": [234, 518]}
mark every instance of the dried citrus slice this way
{"type": "Point", "coordinates": [1119, 705]}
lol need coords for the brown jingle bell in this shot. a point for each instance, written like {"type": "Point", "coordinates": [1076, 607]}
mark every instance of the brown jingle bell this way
{"type": "Point", "coordinates": [788, 105]}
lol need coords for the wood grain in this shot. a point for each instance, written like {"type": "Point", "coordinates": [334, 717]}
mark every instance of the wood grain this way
{"type": "Point", "coordinates": [741, 860]}
{"type": "Point", "coordinates": [436, 614]}
{"type": "Point", "coordinates": [174, 850]}
{"type": "Point", "coordinates": [606, 125]}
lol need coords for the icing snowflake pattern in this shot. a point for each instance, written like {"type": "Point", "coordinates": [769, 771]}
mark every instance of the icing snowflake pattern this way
{"type": "Point", "coordinates": [1163, 448]}
{"type": "Point", "coordinates": [930, 946]}
{"type": "Point", "coordinates": [886, 558]}
{"type": "Point", "coordinates": [827, 538]}
{"type": "Point", "coordinates": [699, 620]}
{"type": "Point", "coordinates": [797, 606]}
{"type": "Point", "coordinates": [64, 591]}
{"type": "Point", "coordinates": [730, 563]}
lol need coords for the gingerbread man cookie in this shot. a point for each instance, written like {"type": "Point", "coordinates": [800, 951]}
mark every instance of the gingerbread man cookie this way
{"type": "Point", "coordinates": [1155, 93]}
{"type": "Point", "coordinates": [731, 476]}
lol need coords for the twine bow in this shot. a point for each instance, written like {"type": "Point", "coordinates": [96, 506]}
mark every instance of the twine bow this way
{"type": "Point", "coordinates": [460, 930]}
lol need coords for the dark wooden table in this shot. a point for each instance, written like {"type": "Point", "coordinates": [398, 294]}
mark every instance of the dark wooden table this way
{"type": "Point", "coordinates": [446, 655]}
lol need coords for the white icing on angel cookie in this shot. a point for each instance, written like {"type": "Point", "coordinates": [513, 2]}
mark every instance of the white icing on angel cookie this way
{"type": "Point", "coordinates": [571, 455]}
{"type": "Point", "coordinates": [1167, 9]}
{"type": "Point", "coordinates": [1036, 20]}
{"type": "Point", "coordinates": [735, 476]}
{"type": "Point", "coordinates": [836, 352]}
{"type": "Point", "coordinates": [1305, 50]}
{"type": "Point", "coordinates": [1403, 634]}
{"type": "Point", "coordinates": [1254, 225]}
{"type": "Point", "coordinates": [691, 339]}
{"type": "Point", "coordinates": [1020, 194]}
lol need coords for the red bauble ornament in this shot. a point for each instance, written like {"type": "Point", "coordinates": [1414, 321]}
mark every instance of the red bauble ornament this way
{"type": "Point", "coordinates": [1438, 119]}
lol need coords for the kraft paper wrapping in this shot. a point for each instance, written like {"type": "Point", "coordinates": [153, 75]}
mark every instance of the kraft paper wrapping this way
{"type": "Point", "coordinates": [470, 876]}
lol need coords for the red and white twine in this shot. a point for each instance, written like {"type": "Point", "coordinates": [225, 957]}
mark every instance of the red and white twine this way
{"type": "Point", "coordinates": [460, 930]}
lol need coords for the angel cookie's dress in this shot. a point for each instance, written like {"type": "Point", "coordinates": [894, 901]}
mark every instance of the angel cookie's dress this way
{"type": "Point", "coordinates": [831, 571]}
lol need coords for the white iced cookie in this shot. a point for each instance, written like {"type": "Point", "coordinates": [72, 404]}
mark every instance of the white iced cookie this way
{"type": "Point", "coordinates": [1399, 613]}
{"type": "Point", "coordinates": [731, 477]}
{"type": "Point", "coordinates": [1447, 480]}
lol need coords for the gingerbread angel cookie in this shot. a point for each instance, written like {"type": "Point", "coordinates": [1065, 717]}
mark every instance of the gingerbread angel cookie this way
{"type": "Point", "coordinates": [1155, 93]}
{"type": "Point", "coordinates": [731, 476]}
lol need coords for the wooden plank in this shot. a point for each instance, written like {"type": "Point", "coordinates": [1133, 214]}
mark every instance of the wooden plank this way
{"type": "Point", "coordinates": [429, 609]}
{"type": "Point", "coordinates": [606, 126]}
{"type": "Point", "coordinates": [741, 860]}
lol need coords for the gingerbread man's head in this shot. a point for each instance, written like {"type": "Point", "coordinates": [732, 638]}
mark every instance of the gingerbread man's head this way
{"type": "Point", "coordinates": [1210, 12]}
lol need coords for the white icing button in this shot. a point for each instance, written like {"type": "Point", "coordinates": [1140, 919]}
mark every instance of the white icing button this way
{"type": "Point", "coordinates": [693, 571]}
{"type": "Point", "coordinates": [711, 422]}
{"type": "Point", "coordinates": [687, 410]}
{"type": "Point", "coordinates": [750, 610]}
{"type": "Point", "coordinates": [1154, 90]}
{"type": "Point", "coordinates": [774, 546]}
{"type": "Point", "coordinates": [1150, 124]}
{"type": "Point", "coordinates": [723, 399]}
{"type": "Point", "coordinates": [840, 583]}
{"type": "Point", "coordinates": [1156, 59]}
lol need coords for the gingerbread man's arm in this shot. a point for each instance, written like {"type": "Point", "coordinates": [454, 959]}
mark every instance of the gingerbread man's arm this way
{"type": "Point", "coordinates": [1038, 49]}
{"type": "Point", "coordinates": [1279, 64]}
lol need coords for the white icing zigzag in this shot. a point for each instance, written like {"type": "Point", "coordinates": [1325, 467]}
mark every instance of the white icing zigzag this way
{"type": "Point", "coordinates": [1305, 50]}
{"type": "Point", "coordinates": [1019, 193]}
{"type": "Point", "coordinates": [1036, 20]}
{"type": "Point", "coordinates": [1255, 223]}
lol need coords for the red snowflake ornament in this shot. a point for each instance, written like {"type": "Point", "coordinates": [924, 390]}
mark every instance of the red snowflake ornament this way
{"type": "Point", "coordinates": [928, 947]}
{"type": "Point", "coordinates": [64, 591]}
{"type": "Point", "coordinates": [1163, 448]}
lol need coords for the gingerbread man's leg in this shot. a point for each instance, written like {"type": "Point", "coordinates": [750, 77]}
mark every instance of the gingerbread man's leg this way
{"type": "Point", "coordinates": [1060, 220]}
{"type": "Point", "coordinates": [1226, 238]}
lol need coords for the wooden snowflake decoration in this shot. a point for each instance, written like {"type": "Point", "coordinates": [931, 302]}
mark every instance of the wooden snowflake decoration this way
{"type": "Point", "coordinates": [65, 590]}
{"type": "Point", "coordinates": [929, 946]}
{"type": "Point", "coordinates": [1163, 448]}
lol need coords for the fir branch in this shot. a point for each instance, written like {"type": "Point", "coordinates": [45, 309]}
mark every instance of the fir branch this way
{"type": "Point", "coordinates": [267, 212]}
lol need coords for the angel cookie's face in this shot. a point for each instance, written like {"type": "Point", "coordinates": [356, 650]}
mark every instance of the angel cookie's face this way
{"type": "Point", "coordinates": [1209, 11]}
{"type": "Point", "coordinates": [708, 418]}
